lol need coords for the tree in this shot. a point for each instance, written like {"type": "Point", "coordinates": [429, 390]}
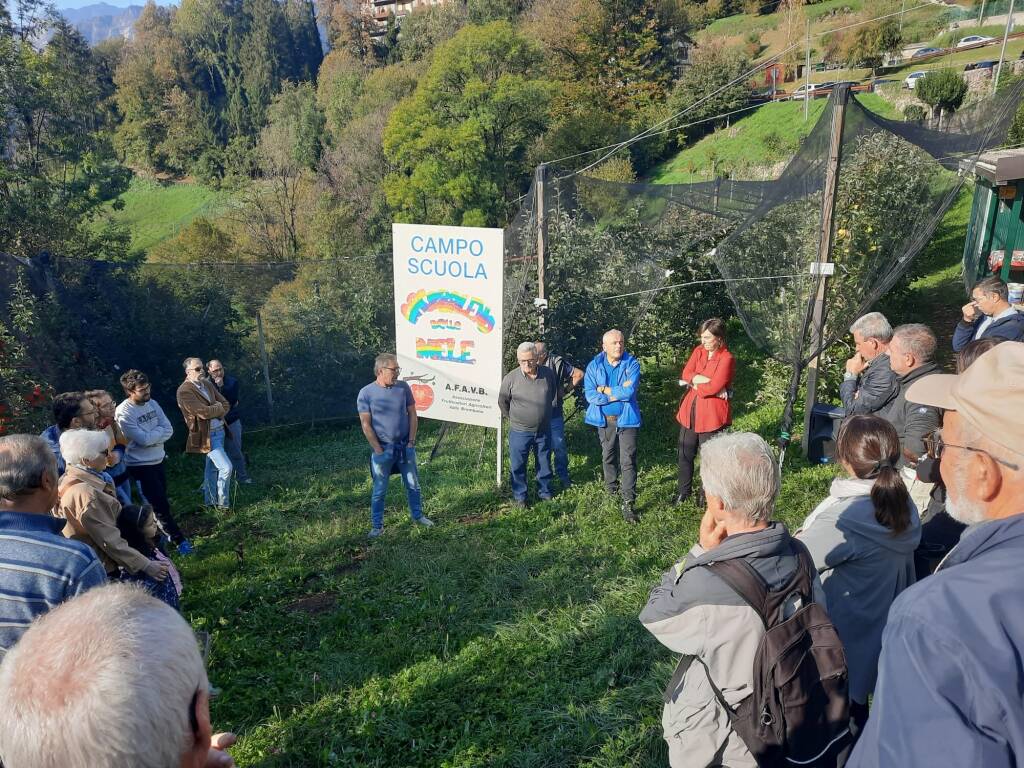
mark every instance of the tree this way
{"type": "Point", "coordinates": [871, 43]}
{"type": "Point", "coordinates": [459, 144]}
{"type": "Point", "coordinates": [943, 90]}
{"type": "Point", "coordinates": [704, 89]}
{"type": "Point", "coordinates": [426, 28]}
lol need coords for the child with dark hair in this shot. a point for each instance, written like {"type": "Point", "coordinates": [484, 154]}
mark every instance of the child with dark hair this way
{"type": "Point", "coordinates": [862, 538]}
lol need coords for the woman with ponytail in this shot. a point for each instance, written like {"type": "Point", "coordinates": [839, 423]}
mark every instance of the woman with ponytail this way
{"type": "Point", "coordinates": [862, 538]}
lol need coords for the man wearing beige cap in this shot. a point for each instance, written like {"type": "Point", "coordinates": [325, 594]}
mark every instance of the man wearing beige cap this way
{"type": "Point", "coordinates": [949, 683]}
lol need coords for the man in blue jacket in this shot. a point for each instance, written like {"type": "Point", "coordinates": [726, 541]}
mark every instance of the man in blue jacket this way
{"type": "Point", "coordinates": [610, 384]}
{"type": "Point", "coordinates": [988, 314]}
{"type": "Point", "coordinates": [949, 685]}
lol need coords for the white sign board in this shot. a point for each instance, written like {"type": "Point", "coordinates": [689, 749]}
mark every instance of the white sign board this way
{"type": "Point", "coordinates": [448, 324]}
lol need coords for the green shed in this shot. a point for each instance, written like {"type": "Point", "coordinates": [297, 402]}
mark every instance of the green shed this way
{"type": "Point", "coordinates": [995, 234]}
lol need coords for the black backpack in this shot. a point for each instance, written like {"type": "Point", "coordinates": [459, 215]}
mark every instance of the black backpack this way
{"type": "Point", "coordinates": [799, 712]}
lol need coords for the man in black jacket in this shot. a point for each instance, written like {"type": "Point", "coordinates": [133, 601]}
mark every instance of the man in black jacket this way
{"type": "Point", "coordinates": [911, 351]}
{"type": "Point", "coordinates": [228, 386]}
{"type": "Point", "coordinates": [869, 384]}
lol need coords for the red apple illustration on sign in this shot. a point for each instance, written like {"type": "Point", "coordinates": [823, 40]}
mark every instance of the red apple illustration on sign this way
{"type": "Point", "coordinates": [423, 394]}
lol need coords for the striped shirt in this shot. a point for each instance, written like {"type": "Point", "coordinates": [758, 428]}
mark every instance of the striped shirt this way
{"type": "Point", "coordinates": [39, 569]}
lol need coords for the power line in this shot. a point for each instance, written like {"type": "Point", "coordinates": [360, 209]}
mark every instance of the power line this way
{"type": "Point", "coordinates": [702, 282]}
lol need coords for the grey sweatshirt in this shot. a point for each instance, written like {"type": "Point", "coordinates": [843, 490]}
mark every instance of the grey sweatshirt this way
{"type": "Point", "coordinates": [147, 429]}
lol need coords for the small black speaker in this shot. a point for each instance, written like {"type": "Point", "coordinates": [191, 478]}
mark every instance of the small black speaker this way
{"type": "Point", "coordinates": [824, 427]}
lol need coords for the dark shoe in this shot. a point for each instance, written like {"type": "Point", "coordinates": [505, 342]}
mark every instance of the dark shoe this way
{"type": "Point", "coordinates": [566, 484]}
{"type": "Point", "coordinates": [679, 499]}
{"type": "Point", "coordinates": [546, 498]}
{"type": "Point", "coordinates": [629, 513]}
{"type": "Point", "coordinates": [701, 500]}
{"type": "Point", "coordinates": [611, 491]}
{"type": "Point", "coordinates": [521, 503]}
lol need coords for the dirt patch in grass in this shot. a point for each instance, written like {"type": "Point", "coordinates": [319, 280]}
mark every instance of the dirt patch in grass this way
{"type": "Point", "coordinates": [314, 605]}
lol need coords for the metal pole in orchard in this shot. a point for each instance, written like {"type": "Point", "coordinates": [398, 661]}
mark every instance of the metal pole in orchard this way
{"type": "Point", "coordinates": [823, 267]}
{"type": "Point", "coordinates": [1002, 51]}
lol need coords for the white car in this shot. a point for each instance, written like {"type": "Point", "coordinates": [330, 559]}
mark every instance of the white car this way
{"type": "Point", "coordinates": [974, 40]}
{"type": "Point", "coordinates": [913, 77]}
{"type": "Point", "coordinates": [802, 91]}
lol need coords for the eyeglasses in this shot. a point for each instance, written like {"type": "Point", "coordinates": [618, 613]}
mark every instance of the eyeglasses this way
{"type": "Point", "coordinates": [527, 362]}
{"type": "Point", "coordinates": [396, 370]}
{"type": "Point", "coordinates": [196, 370]}
{"type": "Point", "coordinates": [935, 445]}
{"type": "Point", "coordinates": [216, 370]}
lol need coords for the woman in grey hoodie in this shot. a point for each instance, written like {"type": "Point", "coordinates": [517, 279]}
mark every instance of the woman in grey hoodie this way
{"type": "Point", "coordinates": [862, 538]}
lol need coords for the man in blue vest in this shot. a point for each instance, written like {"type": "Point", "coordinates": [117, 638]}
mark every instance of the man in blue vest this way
{"type": "Point", "coordinates": [610, 383]}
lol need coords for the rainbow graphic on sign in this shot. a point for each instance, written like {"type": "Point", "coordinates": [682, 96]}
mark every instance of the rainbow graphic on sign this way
{"type": "Point", "coordinates": [450, 302]}
{"type": "Point", "coordinates": [440, 324]}
{"type": "Point", "coordinates": [445, 350]}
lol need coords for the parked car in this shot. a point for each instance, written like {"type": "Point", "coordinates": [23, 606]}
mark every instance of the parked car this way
{"type": "Point", "coordinates": [812, 89]}
{"type": "Point", "coordinates": [979, 65]}
{"type": "Point", "coordinates": [975, 40]}
{"type": "Point", "coordinates": [925, 52]}
{"type": "Point", "coordinates": [912, 78]}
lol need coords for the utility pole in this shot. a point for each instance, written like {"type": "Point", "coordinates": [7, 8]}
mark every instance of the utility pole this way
{"type": "Point", "coordinates": [807, 74]}
{"type": "Point", "coordinates": [903, 7]}
{"type": "Point", "coordinates": [1002, 51]}
{"type": "Point", "coordinates": [266, 365]}
{"type": "Point", "coordinates": [542, 242]}
{"type": "Point", "coordinates": [823, 266]}
{"type": "Point", "coordinates": [981, 15]}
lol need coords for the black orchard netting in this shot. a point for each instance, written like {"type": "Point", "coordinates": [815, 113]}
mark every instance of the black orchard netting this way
{"type": "Point", "coordinates": [652, 260]}
{"type": "Point", "coordinates": [636, 256]}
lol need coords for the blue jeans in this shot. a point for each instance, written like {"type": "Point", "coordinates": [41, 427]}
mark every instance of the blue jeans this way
{"type": "Point", "coordinates": [558, 448]}
{"type": "Point", "coordinates": [404, 458]}
{"type": "Point", "coordinates": [520, 446]}
{"type": "Point", "coordinates": [217, 478]}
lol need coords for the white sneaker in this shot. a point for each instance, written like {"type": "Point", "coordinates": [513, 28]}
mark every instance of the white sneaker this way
{"type": "Point", "coordinates": [375, 532]}
{"type": "Point", "coordinates": [425, 521]}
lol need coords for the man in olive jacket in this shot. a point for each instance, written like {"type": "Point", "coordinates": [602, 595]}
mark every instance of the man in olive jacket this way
{"type": "Point", "coordinates": [204, 409]}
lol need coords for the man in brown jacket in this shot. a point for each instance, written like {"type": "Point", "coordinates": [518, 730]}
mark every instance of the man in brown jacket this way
{"type": "Point", "coordinates": [204, 409]}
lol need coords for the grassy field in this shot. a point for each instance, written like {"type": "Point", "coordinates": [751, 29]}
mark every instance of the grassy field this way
{"type": "Point", "coordinates": [767, 135]}
{"type": "Point", "coordinates": [155, 211]}
{"type": "Point", "coordinates": [501, 637]}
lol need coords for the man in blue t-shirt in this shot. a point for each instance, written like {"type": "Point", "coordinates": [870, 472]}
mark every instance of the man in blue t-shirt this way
{"type": "Point", "coordinates": [387, 413]}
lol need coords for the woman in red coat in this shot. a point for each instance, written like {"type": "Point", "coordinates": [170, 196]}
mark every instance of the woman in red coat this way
{"type": "Point", "coordinates": [704, 411]}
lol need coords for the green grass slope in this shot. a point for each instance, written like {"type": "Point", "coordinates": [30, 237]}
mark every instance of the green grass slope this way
{"type": "Point", "coordinates": [501, 637]}
{"type": "Point", "coordinates": [767, 135]}
{"type": "Point", "coordinates": [155, 211]}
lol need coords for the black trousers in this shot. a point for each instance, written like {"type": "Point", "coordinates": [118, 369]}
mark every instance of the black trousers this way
{"type": "Point", "coordinates": [154, 487]}
{"type": "Point", "coordinates": [689, 445]}
{"type": "Point", "coordinates": [618, 454]}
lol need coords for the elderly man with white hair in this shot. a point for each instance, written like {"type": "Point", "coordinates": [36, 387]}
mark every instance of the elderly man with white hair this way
{"type": "Point", "coordinates": [39, 568]}
{"type": "Point", "coordinates": [697, 614]}
{"type": "Point", "coordinates": [611, 383]}
{"type": "Point", "coordinates": [949, 679]}
{"type": "Point", "coordinates": [869, 384]}
{"type": "Point", "coordinates": [526, 398]}
{"type": "Point", "coordinates": [112, 679]}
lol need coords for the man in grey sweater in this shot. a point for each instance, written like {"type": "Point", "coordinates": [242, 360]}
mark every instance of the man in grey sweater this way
{"type": "Point", "coordinates": [526, 397]}
{"type": "Point", "coordinates": [147, 428]}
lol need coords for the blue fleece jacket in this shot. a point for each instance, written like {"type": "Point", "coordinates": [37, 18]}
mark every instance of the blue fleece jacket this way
{"type": "Point", "coordinates": [625, 383]}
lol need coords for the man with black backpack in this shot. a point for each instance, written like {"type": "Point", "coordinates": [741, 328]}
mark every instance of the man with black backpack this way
{"type": "Point", "coordinates": [746, 610]}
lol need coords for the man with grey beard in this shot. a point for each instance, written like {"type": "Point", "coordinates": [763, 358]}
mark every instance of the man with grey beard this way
{"type": "Point", "coordinates": [949, 684]}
